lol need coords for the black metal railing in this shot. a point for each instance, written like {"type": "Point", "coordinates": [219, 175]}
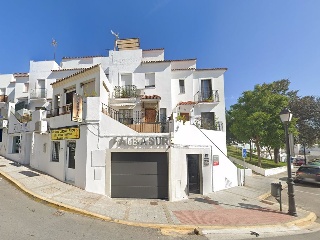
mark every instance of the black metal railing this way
{"type": "Point", "coordinates": [38, 93]}
{"type": "Point", "coordinates": [136, 120]}
{"type": "Point", "coordinates": [207, 96]}
{"type": "Point", "coordinates": [218, 126]}
{"type": "Point", "coordinates": [127, 91]}
{"type": "Point", "coordinates": [66, 109]}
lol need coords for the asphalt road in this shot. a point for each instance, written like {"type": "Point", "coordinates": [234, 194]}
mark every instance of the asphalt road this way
{"type": "Point", "coordinates": [22, 217]}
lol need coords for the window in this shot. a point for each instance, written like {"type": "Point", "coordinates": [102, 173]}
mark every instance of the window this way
{"type": "Point", "coordinates": [1, 134]}
{"type": "Point", "coordinates": [55, 151]}
{"type": "Point", "coordinates": [26, 87]}
{"type": "Point", "coordinates": [126, 79]}
{"type": "Point", "coordinates": [16, 140]}
{"type": "Point", "coordinates": [163, 115]}
{"type": "Point", "coordinates": [126, 116]}
{"type": "Point", "coordinates": [206, 89]}
{"type": "Point", "coordinates": [150, 80]}
{"type": "Point", "coordinates": [181, 86]}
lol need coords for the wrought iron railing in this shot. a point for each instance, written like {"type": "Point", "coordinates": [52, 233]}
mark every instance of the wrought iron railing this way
{"type": "Point", "coordinates": [127, 91]}
{"type": "Point", "coordinates": [207, 96]}
{"type": "Point", "coordinates": [136, 120]}
{"type": "Point", "coordinates": [66, 109]}
{"type": "Point", "coordinates": [38, 93]}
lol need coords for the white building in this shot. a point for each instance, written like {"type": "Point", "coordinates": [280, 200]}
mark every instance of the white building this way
{"type": "Point", "coordinates": [130, 125]}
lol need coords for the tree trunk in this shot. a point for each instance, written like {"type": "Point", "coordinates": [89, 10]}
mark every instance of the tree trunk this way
{"type": "Point", "coordinates": [250, 150]}
{"type": "Point", "coordinates": [276, 155]}
{"type": "Point", "coordinates": [304, 154]}
{"type": "Point", "coordinates": [258, 153]}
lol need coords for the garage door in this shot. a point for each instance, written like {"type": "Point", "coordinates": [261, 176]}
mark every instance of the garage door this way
{"type": "Point", "coordinates": [139, 175]}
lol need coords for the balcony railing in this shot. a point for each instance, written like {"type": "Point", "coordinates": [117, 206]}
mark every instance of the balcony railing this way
{"type": "Point", "coordinates": [66, 109]}
{"type": "Point", "coordinates": [38, 93]}
{"type": "Point", "coordinates": [127, 91]}
{"type": "Point", "coordinates": [136, 121]}
{"type": "Point", "coordinates": [207, 96]}
{"type": "Point", "coordinates": [3, 98]}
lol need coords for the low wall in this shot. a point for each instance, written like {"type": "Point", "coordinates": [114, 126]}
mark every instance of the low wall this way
{"type": "Point", "coordinates": [262, 171]}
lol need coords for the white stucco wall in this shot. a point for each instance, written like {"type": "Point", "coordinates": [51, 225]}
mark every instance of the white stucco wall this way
{"type": "Point", "coordinates": [225, 174]}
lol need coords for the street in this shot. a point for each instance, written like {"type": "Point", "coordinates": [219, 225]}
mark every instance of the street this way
{"type": "Point", "coordinates": [22, 217]}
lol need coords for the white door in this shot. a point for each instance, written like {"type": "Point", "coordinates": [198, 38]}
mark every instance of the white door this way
{"type": "Point", "coordinates": [71, 162]}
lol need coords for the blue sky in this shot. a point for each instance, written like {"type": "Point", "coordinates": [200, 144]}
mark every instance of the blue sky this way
{"type": "Point", "coordinates": [257, 40]}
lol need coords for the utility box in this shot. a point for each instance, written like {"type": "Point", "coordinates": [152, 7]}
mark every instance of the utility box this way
{"type": "Point", "coordinates": [276, 189]}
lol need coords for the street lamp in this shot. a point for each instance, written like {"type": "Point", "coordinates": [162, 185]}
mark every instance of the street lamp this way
{"type": "Point", "coordinates": [286, 116]}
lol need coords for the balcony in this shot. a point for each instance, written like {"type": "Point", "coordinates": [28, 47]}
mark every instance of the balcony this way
{"type": "Point", "coordinates": [135, 121]}
{"type": "Point", "coordinates": [207, 97]}
{"type": "Point", "coordinates": [60, 111]}
{"type": "Point", "coordinates": [127, 91]}
{"type": "Point", "coordinates": [38, 93]}
{"type": "Point", "coordinates": [3, 98]}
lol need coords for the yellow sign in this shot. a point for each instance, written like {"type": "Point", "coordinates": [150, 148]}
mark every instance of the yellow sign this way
{"type": "Point", "coordinates": [65, 133]}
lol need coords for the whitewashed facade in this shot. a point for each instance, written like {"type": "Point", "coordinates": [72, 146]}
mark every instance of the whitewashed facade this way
{"type": "Point", "coordinates": [140, 126]}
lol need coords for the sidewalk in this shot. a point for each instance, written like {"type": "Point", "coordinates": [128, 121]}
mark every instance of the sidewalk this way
{"type": "Point", "coordinates": [234, 208]}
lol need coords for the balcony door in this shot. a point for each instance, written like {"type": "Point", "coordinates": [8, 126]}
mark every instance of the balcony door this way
{"type": "Point", "coordinates": [41, 88]}
{"type": "Point", "coordinates": [206, 89]}
{"type": "Point", "coordinates": [150, 115]}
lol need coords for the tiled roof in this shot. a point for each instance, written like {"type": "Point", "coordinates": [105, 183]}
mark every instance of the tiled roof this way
{"type": "Point", "coordinates": [77, 73]}
{"type": "Point", "coordinates": [208, 69]}
{"type": "Point", "coordinates": [21, 74]}
{"type": "Point", "coordinates": [183, 69]}
{"type": "Point", "coordinates": [67, 69]}
{"type": "Point", "coordinates": [179, 60]}
{"type": "Point", "coordinates": [150, 97]}
{"type": "Point", "coordinates": [153, 49]}
{"type": "Point", "coordinates": [187, 103]}
{"type": "Point", "coordinates": [81, 57]}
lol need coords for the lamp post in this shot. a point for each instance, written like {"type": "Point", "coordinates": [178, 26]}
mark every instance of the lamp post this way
{"type": "Point", "coordinates": [286, 116]}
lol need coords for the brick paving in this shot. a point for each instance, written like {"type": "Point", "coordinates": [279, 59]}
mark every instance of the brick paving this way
{"type": "Point", "coordinates": [238, 206]}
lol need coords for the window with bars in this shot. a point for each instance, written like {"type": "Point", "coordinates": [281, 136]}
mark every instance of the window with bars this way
{"type": "Point", "coordinates": [55, 151]}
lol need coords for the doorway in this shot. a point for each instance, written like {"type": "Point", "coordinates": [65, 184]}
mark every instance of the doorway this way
{"type": "Point", "coordinates": [71, 161]}
{"type": "Point", "coordinates": [193, 173]}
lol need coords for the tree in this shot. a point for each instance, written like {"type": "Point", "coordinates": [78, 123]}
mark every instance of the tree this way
{"type": "Point", "coordinates": [256, 115]}
{"type": "Point", "coordinates": [307, 111]}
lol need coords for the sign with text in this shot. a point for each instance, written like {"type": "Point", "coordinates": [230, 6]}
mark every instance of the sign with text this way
{"type": "Point", "coordinates": [215, 159]}
{"type": "Point", "coordinates": [76, 114]}
{"type": "Point", "coordinates": [244, 153]}
{"type": "Point", "coordinates": [65, 133]}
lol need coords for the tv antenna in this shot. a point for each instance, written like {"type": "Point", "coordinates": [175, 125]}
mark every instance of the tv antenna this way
{"type": "Point", "coordinates": [54, 43]}
{"type": "Point", "coordinates": [115, 41]}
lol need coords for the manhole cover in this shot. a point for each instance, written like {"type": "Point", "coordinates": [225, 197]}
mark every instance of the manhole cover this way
{"type": "Point", "coordinates": [153, 203]}
{"type": "Point", "coordinates": [2, 165]}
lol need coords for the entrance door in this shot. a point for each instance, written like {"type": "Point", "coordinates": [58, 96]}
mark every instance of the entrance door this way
{"type": "Point", "coordinates": [151, 115]}
{"type": "Point", "coordinates": [193, 173]}
{"type": "Point", "coordinates": [71, 162]}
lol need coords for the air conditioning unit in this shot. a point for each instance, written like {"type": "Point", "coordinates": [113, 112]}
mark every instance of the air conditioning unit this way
{"type": "Point", "coordinates": [3, 123]}
{"type": "Point", "coordinates": [41, 126]}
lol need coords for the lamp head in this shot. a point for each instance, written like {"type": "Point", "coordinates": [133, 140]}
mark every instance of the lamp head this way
{"type": "Point", "coordinates": [285, 115]}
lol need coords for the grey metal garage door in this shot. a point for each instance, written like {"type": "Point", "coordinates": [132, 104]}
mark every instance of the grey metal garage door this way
{"type": "Point", "coordinates": [139, 175]}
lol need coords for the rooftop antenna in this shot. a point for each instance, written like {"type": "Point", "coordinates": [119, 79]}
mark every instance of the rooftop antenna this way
{"type": "Point", "coordinates": [54, 43]}
{"type": "Point", "coordinates": [115, 41]}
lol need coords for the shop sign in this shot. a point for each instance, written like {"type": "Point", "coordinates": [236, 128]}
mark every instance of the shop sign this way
{"type": "Point", "coordinates": [141, 141]}
{"type": "Point", "coordinates": [65, 133]}
{"type": "Point", "coordinates": [76, 114]}
{"type": "Point", "coordinates": [215, 160]}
